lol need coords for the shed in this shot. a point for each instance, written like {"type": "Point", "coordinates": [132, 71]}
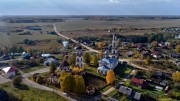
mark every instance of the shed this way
{"type": "Point", "coordinates": [9, 71]}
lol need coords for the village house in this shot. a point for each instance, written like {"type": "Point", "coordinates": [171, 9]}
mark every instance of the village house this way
{"type": "Point", "coordinates": [125, 90]}
{"type": "Point", "coordinates": [174, 55]}
{"type": "Point", "coordinates": [46, 55]}
{"type": "Point", "coordinates": [53, 78]}
{"type": "Point", "coordinates": [9, 71]}
{"type": "Point", "coordinates": [156, 54]}
{"type": "Point", "coordinates": [90, 90]}
{"type": "Point", "coordinates": [176, 62]}
{"type": "Point", "coordinates": [144, 54]}
{"type": "Point", "coordinates": [129, 93]}
{"type": "Point", "coordinates": [129, 54]}
{"type": "Point", "coordinates": [48, 61]}
{"type": "Point", "coordinates": [65, 44]}
{"type": "Point", "coordinates": [139, 82]}
{"type": "Point", "coordinates": [65, 66]}
{"type": "Point", "coordinates": [26, 55]}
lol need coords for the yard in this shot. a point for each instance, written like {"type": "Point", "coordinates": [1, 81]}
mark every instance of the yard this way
{"type": "Point", "coordinates": [123, 71]}
{"type": "Point", "coordinates": [93, 70]}
{"type": "Point", "coordinates": [31, 94]}
{"type": "Point", "coordinates": [150, 92]}
{"type": "Point", "coordinates": [94, 81]}
{"type": "Point", "coordinates": [165, 66]}
{"type": "Point", "coordinates": [31, 69]}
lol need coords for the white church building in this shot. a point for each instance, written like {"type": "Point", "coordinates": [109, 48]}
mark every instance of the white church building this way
{"type": "Point", "coordinates": [108, 63]}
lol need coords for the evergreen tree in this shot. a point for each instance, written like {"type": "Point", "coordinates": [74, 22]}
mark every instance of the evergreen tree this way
{"type": "Point", "coordinates": [95, 60]}
{"type": "Point", "coordinates": [72, 59]}
{"type": "Point", "coordinates": [52, 67]}
{"type": "Point", "coordinates": [86, 58]}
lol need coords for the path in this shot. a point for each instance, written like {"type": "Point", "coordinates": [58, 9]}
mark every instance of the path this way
{"type": "Point", "coordinates": [38, 86]}
{"type": "Point", "coordinates": [108, 91]}
{"type": "Point", "coordinates": [89, 48]}
{"type": "Point", "coordinates": [26, 75]}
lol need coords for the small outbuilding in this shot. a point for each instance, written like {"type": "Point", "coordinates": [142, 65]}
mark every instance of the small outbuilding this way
{"type": "Point", "coordinates": [9, 71]}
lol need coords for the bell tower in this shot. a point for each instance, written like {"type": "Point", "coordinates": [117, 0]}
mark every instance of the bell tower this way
{"type": "Point", "coordinates": [114, 50]}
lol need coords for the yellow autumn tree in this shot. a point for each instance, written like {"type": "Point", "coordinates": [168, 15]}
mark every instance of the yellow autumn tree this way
{"type": "Point", "coordinates": [176, 76]}
{"type": "Point", "coordinates": [100, 55]}
{"type": "Point", "coordinates": [100, 45]}
{"type": "Point", "coordinates": [148, 60]}
{"type": "Point", "coordinates": [178, 49]}
{"type": "Point", "coordinates": [110, 77]}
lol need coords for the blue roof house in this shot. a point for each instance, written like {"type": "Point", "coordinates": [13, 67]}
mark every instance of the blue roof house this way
{"type": "Point", "coordinates": [50, 60]}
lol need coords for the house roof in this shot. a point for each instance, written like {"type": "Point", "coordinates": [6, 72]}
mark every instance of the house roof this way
{"type": "Point", "coordinates": [49, 60]}
{"type": "Point", "coordinates": [45, 55]}
{"type": "Point", "coordinates": [138, 81]}
{"type": "Point", "coordinates": [156, 53]}
{"type": "Point", "coordinates": [109, 60]}
{"type": "Point", "coordinates": [78, 48]}
{"type": "Point", "coordinates": [125, 90]}
{"type": "Point", "coordinates": [103, 68]}
{"type": "Point", "coordinates": [9, 69]}
{"type": "Point", "coordinates": [137, 96]}
{"type": "Point", "coordinates": [64, 64]}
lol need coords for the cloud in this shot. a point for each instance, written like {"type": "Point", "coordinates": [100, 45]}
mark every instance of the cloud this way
{"type": "Point", "coordinates": [139, 1]}
{"type": "Point", "coordinates": [114, 1]}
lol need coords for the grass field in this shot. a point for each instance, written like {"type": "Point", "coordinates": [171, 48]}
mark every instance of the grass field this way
{"type": "Point", "coordinates": [31, 94]}
{"type": "Point", "coordinates": [93, 70]}
{"type": "Point", "coordinates": [140, 23]}
{"type": "Point", "coordinates": [45, 41]}
{"type": "Point", "coordinates": [31, 69]}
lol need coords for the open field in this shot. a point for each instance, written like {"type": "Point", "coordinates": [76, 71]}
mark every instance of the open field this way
{"type": "Point", "coordinates": [44, 40]}
{"type": "Point", "coordinates": [71, 25]}
{"type": "Point", "coordinates": [31, 94]}
{"type": "Point", "coordinates": [77, 28]}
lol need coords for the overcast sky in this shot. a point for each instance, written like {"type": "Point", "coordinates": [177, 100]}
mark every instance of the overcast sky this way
{"type": "Point", "coordinates": [89, 7]}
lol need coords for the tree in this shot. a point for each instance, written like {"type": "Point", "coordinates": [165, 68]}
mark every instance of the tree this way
{"type": "Point", "coordinates": [100, 45]}
{"type": "Point", "coordinates": [77, 70]}
{"type": "Point", "coordinates": [86, 58]}
{"type": "Point", "coordinates": [72, 59]}
{"type": "Point", "coordinates": [1, 52]}
{"type": "Point", "coordinates": [20, 50]}
{"type": "Point", "coordinates": [52, 67]}
{"type": "Point", "coordinates": [100, 55]}
{"type": "Point", "coordinates": [166, 99]}
{"type": "Point", "coordinates": [148, 60]}
{"type": "Point", "coordinates": [178, 48]}
{"type": "Point", "coordinates": [176, 76]}
{"type": "Point", "coordinates": [17, 81]}
{"type": "Point", "coordinates": [67, 84]}
{"type": "Point", "coordinates": [136, 54]}
{"type": "Point", "coordinates": [95, 60]}
{"type": "Point", "coordinates": [5, 50]}
{"type": "Point", "coordinates": [154, 43]}
{"type": "Point", "coordinates": [79, 85]}
{"type": "Point", "coordinates": [119, 43]}
{"type": "Point", "coordinates": [110, 77]}
{"type": "Point", "coordinates": [39, 79]}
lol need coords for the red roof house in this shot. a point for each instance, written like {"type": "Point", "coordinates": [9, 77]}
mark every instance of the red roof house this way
{"type": "Point", "coordinates": [138, 82]}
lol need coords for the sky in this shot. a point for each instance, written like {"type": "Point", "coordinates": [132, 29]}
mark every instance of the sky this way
{"type": "Point", "coordinates": [89, 7]}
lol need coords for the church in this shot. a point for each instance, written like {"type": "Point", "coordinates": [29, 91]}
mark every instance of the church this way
{"type": "Point", "coordinates": [109, 63]}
